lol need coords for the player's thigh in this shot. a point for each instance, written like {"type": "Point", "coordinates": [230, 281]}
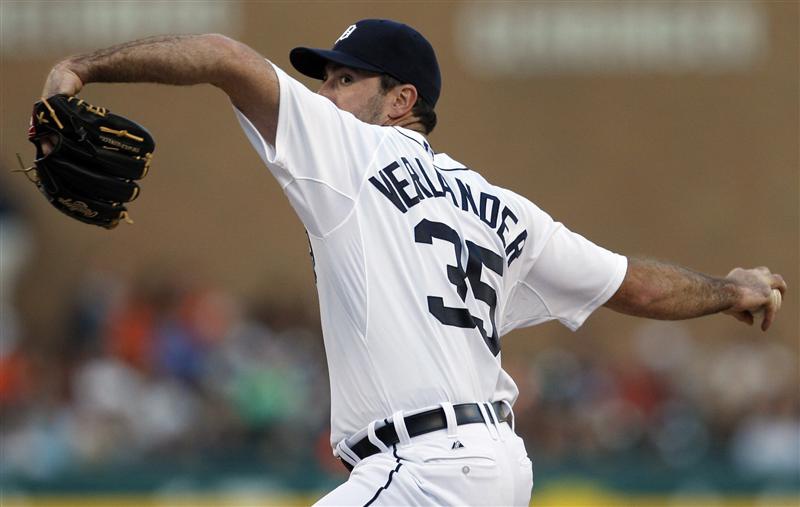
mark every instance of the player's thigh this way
{"type": "Point", "coordinates": [381, 479]}
{"type": "Point", "coordinates": [519, 466]}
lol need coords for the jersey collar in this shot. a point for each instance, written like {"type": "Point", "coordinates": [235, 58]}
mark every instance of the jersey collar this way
{"type": "Point", "coordinates": [416, 137]}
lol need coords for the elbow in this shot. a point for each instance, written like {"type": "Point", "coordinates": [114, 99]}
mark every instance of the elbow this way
{"type": "Point", "coordinates": [639, 294]}
{"type": "Point", "coordinates": [231, 59]}
{"type": "Point", "coordinates": [644, 299]}
{"type": "Point", "coordinates": [633, 299]}
{"type": "Point", "coordinates": [222, 43]}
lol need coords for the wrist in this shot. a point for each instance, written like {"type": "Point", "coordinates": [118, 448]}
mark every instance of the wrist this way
{"type": "Point", "coordinates": [731, 293]}
{"type": "Point", "coordinates": [76, 67]}
{"type": "Point", "coordinates": [65, 77]}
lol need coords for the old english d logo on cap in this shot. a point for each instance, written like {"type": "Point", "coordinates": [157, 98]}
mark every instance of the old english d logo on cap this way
{"type": "Point", "coordinates": [350, 29]}
{"type": "Point", "coordinates": [382, 46]}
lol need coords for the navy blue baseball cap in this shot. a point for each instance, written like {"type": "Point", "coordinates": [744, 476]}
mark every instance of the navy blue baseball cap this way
{"type": "Point", "coordinates": [378, 45]}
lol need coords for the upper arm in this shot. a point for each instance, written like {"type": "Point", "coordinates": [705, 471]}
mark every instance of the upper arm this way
{"type": "Point", "coordinates": [574, 276]}
{"type": "Point", "coordinates": [317, 152]}
{"type": "Point", "coordinates": [252, 85]}
{"type": "Point", "coordinates": [563, 275]}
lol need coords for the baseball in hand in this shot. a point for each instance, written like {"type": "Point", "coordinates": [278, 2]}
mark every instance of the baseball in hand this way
{"type": "Point", "coordinates": [775, 300]}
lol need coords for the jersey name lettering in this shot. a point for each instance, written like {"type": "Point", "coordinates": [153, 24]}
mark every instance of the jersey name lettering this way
{"type": "Point", "coordinates": [407, 187]}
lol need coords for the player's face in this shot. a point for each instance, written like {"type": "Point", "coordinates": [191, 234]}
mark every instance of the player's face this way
{"type": "Point", "coordinates": [357, 92]}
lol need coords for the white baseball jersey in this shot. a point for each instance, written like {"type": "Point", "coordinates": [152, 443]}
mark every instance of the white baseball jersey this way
{"type": "Point", "coordinates": [422, 265]}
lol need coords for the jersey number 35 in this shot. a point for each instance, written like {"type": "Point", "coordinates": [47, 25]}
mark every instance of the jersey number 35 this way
{"type": "Point", "coordinates": [478, 257]}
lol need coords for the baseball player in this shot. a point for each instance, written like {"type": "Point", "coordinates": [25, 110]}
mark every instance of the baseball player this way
{"type": "Point", "coordinates": [422, 264]}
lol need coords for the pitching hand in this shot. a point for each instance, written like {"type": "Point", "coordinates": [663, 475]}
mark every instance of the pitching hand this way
{"type": "Point", "coordinates": [755, 295]}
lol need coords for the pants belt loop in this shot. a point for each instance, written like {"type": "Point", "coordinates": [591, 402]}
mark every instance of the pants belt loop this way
{"type": "Point", "coordinates": [400, 427]}
{"type": "Point", "coordinates": [450, 416]}
{"type": "Point", "coordinates": [495, 420]}
{"type": "Point", "coordinates": [488, 421]}
{"type": "Point", "coordinates": [510, 413]}
{"type": "Point", "coordinates": [373, 438]}
{"type": "Point", "coordinates": [345, 453]}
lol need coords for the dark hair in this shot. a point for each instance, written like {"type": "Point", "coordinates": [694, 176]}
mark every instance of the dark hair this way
{"type": "Point", "coordinates": [422, 110]}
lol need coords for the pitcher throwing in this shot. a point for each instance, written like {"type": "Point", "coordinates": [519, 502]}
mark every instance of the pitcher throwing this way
{"type": "Point", "coordinates": [422, 264]}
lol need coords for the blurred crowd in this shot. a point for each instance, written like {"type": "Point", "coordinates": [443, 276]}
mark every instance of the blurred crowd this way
{"type": "Point", "coordinates": [670, 397]}
{"type": "Point", "coordinates": [162, 370]}
{"type": "Point", "coordinates": [159, 368]}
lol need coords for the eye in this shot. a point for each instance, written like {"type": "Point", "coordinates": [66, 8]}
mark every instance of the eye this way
{"type": "Point", "coordinates": [345, 79]}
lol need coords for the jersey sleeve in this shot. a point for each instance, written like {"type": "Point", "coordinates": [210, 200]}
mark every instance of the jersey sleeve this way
{"type": "Point", "coordinates": [320, 155]}
{"type": "Point", "coordinates": [565, 277]}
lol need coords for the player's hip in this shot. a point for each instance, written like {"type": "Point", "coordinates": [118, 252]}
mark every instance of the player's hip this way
{"type": "Point", "coordinates": [472, 467]}
{"type": "Point", "coordinates": [479, 463]}
{"type": "Point", "coordinates": [476, 466]}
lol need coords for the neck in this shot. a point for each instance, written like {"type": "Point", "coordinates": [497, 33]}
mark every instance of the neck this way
{"type": "Point", "coordinates": [408, 121]}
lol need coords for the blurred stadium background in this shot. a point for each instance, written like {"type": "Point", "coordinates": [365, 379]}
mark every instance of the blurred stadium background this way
{"type": "Point", "coordinates": [179, 361]}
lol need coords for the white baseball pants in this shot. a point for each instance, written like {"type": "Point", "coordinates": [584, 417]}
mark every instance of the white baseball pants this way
{"type": "Point", "coordinates": [476, 464]}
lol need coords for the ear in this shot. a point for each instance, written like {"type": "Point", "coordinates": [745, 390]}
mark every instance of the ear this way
{"type": "Point", "coordinates": [404, 98]}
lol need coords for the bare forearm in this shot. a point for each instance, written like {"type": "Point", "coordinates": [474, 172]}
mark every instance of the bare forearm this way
{"type": "Point", "coordinates": [658, 290]}
{"type": "Point", "coordinates": [170, 59]}
{"type": "Point", "coordinates": [242, 73]}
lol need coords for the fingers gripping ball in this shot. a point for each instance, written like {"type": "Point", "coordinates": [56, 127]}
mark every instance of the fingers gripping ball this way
{"type": "Point", "coordinates": [87, 159]}
{"type": "Point", "coordinates": [775, 301]}
{"type": "Point", "coordinates": [776, 298]}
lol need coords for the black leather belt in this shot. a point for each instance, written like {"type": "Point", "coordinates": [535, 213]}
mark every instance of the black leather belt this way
{"type": "Point", "coordinates": [424, 422]}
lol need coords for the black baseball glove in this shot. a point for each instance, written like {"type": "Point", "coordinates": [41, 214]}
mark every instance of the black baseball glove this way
{"type": "Point", "coordinates": [95, 159]}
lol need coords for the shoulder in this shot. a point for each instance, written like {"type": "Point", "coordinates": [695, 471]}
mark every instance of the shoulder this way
{"type": "Point", "coordinates": [445, 162]}
{"type": "Point", "coordinates": [458, 170]}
